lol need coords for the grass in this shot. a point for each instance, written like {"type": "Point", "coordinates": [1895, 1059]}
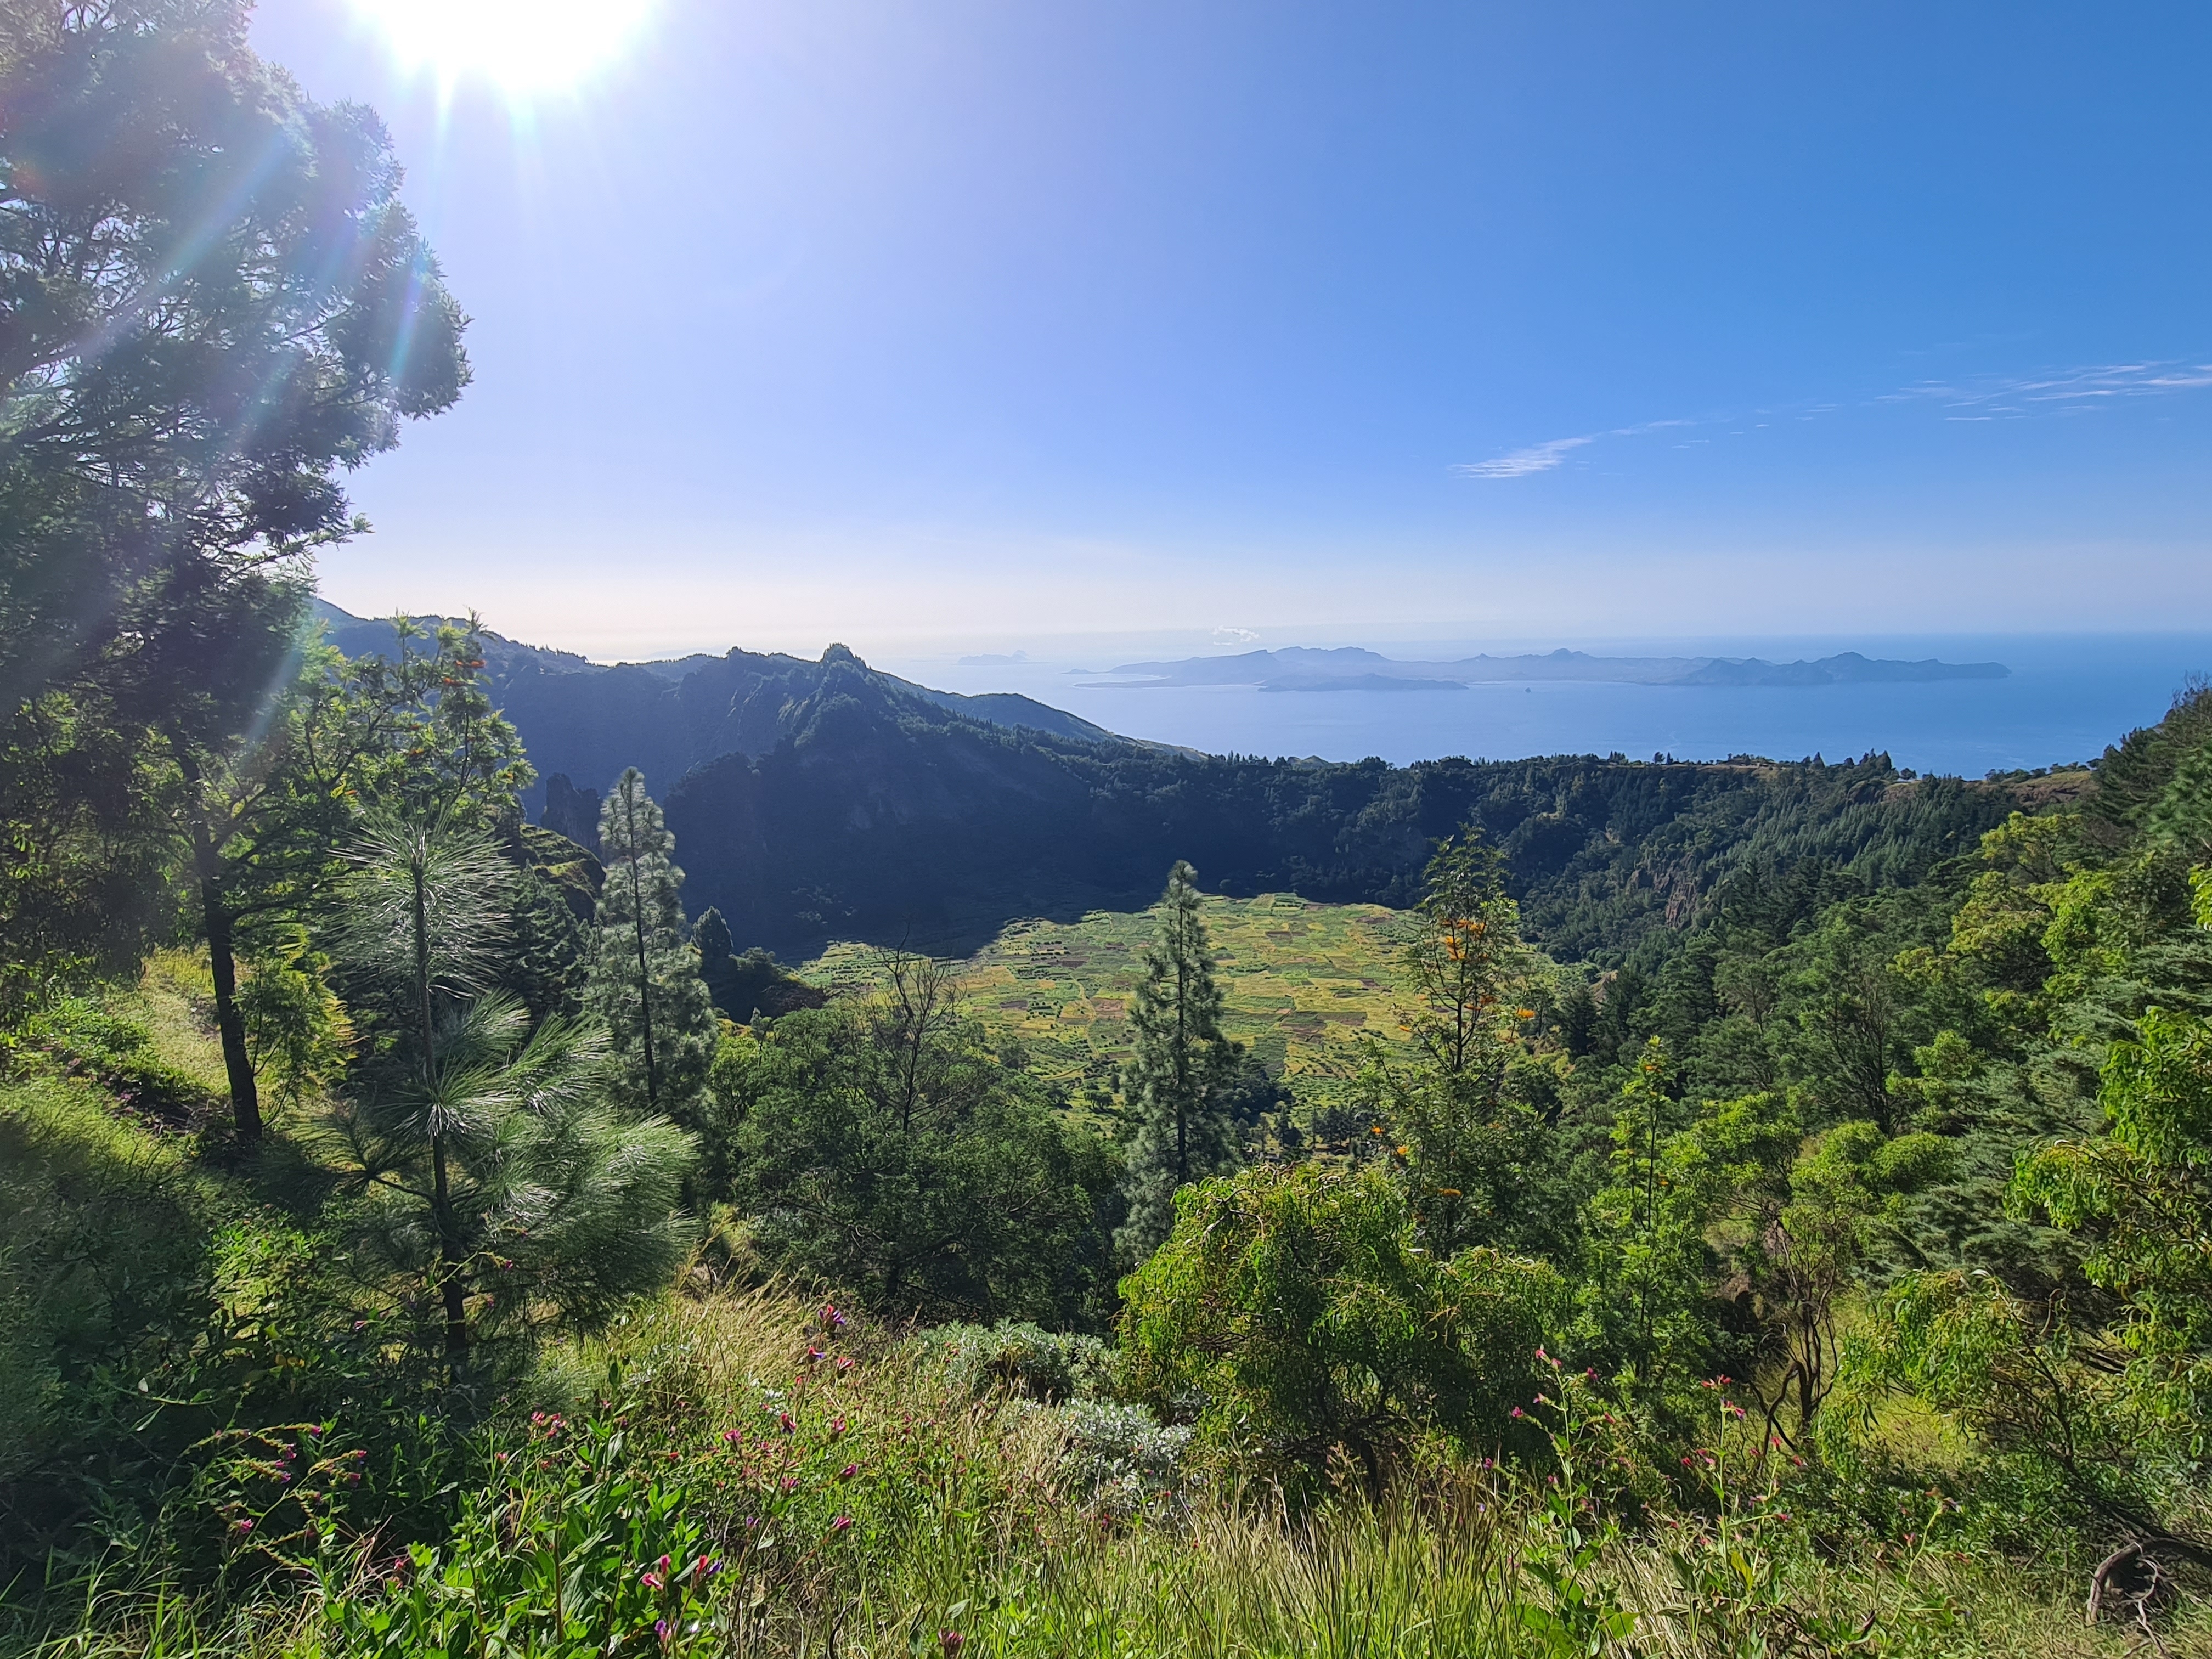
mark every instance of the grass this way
{"type": "Point", "coordinates": [1302, 983]}
{"type": "Point", "coordinates": [970, 1540]}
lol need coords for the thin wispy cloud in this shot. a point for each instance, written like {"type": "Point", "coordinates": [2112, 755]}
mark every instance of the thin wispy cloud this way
{"type": "Point", "coordinates": [1995, 398]}
{"type": "Point", "coordinates": [2077, 387]}
{"type": "Point", "coordinates": [1537, 458]}
{"type": "Point", "coordinates": [1542, 457]}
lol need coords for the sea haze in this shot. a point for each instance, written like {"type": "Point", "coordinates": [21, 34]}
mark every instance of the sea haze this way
{"type": "Point", "coordinates": [2065, 699]}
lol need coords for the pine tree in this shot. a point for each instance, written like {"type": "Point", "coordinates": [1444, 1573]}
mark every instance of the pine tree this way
{"type": "Point", "coordinates": [645, 982]}
{"type": "Point", "coordinates": [484, 1143]}
{"type": "Point", "coordinates": [1178, 1079]}
{"type": "Point", "coordinates": [1471, 1156]}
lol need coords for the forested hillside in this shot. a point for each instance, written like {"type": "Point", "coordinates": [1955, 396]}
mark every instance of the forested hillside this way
{"type": "Point", "coordinates": [827, 800]}
{"type": "Point", "coordinates": [866, 823]}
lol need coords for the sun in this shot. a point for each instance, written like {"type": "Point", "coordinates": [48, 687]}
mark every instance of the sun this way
{"type": "Point", "coordinates": [520, 46]}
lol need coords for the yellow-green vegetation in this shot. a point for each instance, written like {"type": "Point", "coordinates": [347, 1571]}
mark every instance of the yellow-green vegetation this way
{"type": "Point", "coordinates": [1301, 983]}
{"type": "Point", "coordinates": [738, 1473]}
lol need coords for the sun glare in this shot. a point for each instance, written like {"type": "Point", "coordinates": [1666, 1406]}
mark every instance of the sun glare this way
{"type": "Point", "coordinates": [520, 45]}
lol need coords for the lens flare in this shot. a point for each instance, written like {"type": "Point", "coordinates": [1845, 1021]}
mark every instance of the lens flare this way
{"type": "Point", "coordinates": [519, 45]}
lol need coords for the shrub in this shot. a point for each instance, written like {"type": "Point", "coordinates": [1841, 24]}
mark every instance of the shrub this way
{"type": "Point", "coordinates": [1121, 1459]}
{"type": "Point", "coordinates": [1297, 1310]}
{"type": "Point", "coordinates": [1021, 1358]}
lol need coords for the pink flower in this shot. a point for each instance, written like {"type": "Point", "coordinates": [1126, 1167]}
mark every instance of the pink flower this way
{"type": "Point", "coordinates": [652, 1581]}
{"type": "Point", "coordinates": [951, 1640]}
{"type": "Point", "coordinates": [848, 1470]}
{"type": "Point", "coordinates": [246, 1526]}
{"type": "Point", "coordinates": [791, 1483]}
{"type": "Point", "coordinates": [836, 1427]}
{"type": "Point", "coordinates": [1517, 1411]}
{"type": "Point", "coordinates": [660, 1630]}
{"type": "Point", "coordinates": [845, 1361]}
{"type": "Point", "coordinates": [732, 1436]}
{"type": "Point", "coordinates": [841, 1523]}
{"type": "Point", "coordinates": [783, 1421]}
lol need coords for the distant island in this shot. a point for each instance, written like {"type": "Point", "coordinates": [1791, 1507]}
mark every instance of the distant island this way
{"type": "Point", "coordinates": [1349, 668]}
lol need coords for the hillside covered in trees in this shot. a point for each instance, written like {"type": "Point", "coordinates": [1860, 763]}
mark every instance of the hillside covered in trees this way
{"type": "Point", "coordinates": [825, 800]}
{"type": "Point", "coordinates": [1772, 1220]}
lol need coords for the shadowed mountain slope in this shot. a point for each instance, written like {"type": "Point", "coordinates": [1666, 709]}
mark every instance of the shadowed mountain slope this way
{"type": "Point", "coordinates": [814, 800]}
{"type": "Point", "coordinates": [867, 822]}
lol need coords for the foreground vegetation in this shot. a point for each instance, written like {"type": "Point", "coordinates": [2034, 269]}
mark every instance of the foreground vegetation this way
{"type": "Point", "coordinates": [738, 1470]}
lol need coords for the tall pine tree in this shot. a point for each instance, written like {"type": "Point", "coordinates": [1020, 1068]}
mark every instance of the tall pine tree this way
{"type": "Point", "coordinates": [1179, 1078]}
{"type": "Point", "coordinates": [645, 982]}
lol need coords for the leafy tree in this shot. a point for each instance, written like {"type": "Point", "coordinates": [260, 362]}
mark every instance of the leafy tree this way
{"type": "Point", "coordinates": [1179, 1079]}
{"type": "Point", "coordinates": [504, 1184]}
{"type": "Point", "coordinates": [297, 1033]}
{"type": "Point", "coordinates": [885, 1150]}
{"type": "Point", "coordinates": [748, 986]}
{"type": "Point", "coordinates": [2142, 1195]}
{"type": "Point", "coordinates": [213, 301]}
{"type": "Point", "coordinates": [1473, 1153]}
{"type": "Point", "coordinates": [1796, 1223]}
{"type": "Point", "coordinates": [1648, 1269]}
{"type": "Point", "coordinates": [644, 980]}
{"type": "Point", "coordinates": [1300, 1306]}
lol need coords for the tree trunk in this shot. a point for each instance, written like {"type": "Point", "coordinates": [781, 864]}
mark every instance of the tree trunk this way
{"type": "Point", "coordinates": [451, 1291]}
{"type": "Point", "coordinates": [230, 1024]}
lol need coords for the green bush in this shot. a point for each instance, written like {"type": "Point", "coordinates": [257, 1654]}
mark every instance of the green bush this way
{"type": "Point", "coordinates": [1021, 1358]}
{"type": "Point", "coordinates": [1295, 1311]}
{"type": "Point", "coordinates": [1122, 1460]}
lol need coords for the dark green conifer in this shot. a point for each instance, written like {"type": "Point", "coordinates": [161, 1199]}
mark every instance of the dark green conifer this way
{"type": "Point", "coordinates": [1179, 1079]}
{"type": "Point", "coordinates": [645, 982]}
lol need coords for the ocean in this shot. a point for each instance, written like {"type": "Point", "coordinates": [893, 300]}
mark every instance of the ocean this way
{"type": "Point", "coordinates": [2067, 698]}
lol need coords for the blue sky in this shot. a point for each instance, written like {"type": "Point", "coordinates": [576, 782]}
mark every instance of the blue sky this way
{"type": "Point", "coordinates": [924, 322]}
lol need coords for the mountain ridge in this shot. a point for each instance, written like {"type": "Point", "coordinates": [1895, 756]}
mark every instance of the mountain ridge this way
{"type": "Point", "coordinates": [1309, 668]}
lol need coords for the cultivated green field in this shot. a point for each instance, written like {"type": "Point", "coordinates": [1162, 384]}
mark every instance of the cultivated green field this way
{"type": "Point", "coordinates": [1302, 982]}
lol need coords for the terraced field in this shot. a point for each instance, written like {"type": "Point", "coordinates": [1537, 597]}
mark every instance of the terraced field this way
{"type": "Point", "coordinates": [1302, 982]}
